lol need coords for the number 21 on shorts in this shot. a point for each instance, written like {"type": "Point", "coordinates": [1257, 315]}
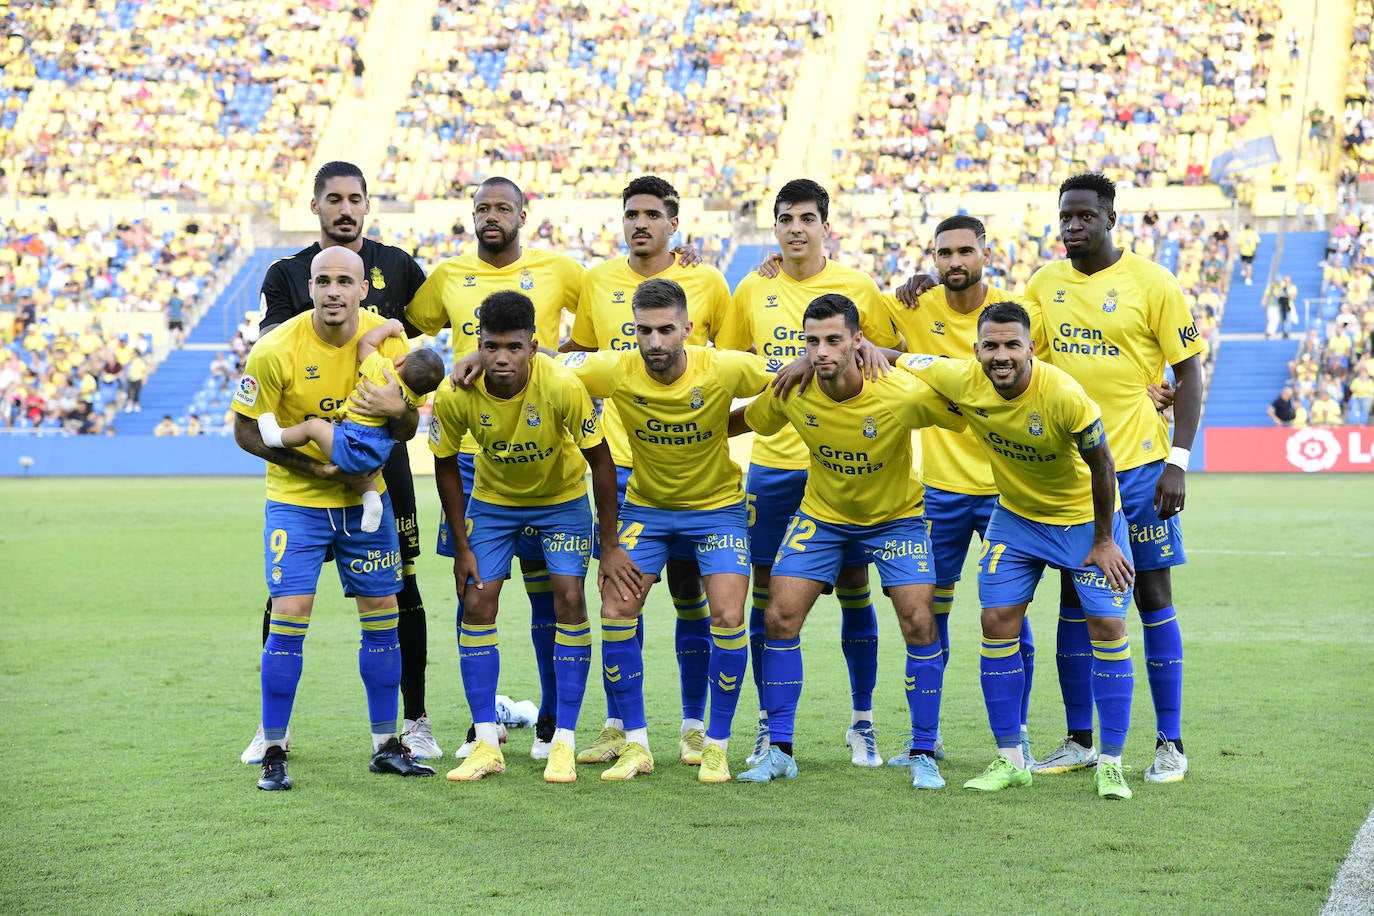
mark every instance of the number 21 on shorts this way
{"type": "Point", "coordinates": [990, 554]}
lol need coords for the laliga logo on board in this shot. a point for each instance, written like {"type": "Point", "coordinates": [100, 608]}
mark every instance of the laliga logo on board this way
{"type": "Point", "coordinates": [1313, 450]}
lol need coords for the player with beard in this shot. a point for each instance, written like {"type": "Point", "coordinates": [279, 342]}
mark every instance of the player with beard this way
{"type": "Point", "coordinates": [960, 491]}
{"type": "Point", "coordinates": [452, 297]}
{"type": "Point", "coordinates": [340, 201]}
{"type": "Point", "coordinates": [605, 321]}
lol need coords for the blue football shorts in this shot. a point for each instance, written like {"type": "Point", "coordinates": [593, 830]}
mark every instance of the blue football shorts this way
{"type": "Point", "coordinates": [1154, 544]}
{"type": "Point", "coordinates": [360, 449]}
{"type": "Point", "coordinates": [773, 496]}
{"type": "Point", "coordinates": [717, 538]}
{"type": "Point", "coordinates": [954, 518]}
{"type": "Point", "coordinates": [526, 548]}
{"type": "Point", "coordinates": [816, 550]}
{"type": "Point", "coordinates": [295, 538]}
{"type": "Point", "coordinates": [564, 532]}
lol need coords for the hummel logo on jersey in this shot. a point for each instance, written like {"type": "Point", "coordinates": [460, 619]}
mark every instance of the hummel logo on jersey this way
{"type": "Point", "coordinates": [1188, 335]}
{"type": "Point", "coordinates": [312, 373]}
{"type": "Point", "coordinates": [772, 302]}
{"type": "Point", "coordinates": [870, 428]}
{"type": "Point", "coordinates": [1109, 304]}
{"type": "Point", "coordinates": [938, 328]}
{"type": "Point", "coordinates": [1036, 427]}
{"type": "Point", "coordinates": [981, 412]}
{"type": "Point", "coordinates": [1059, 295]}
{"type": "Point", "coordinates": [526, 280]}
{"type": "Point", "coordinates": [811, 421]}
{"type": "Point", "coordinates": [698, 399]}
{"type": "Point", "coordinates": [618, 297]}
{"type": "Point", "coordinates": [640, 401]}
{"type": "Point", "coordinates": [485, 419]}
{"type": "Point", "coordinates": [470, 280]}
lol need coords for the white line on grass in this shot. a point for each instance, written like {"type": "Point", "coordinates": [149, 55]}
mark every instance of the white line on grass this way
{"type": "Point", "coordinates": [1279, 553]}
{"type": "Point", "coordinates": [1352, 893]}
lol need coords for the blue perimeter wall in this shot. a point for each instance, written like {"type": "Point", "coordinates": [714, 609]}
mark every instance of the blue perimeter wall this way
{"type": "Point", "coordinates": [172, 456]}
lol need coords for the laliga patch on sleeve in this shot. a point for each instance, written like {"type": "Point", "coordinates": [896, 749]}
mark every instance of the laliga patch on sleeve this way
{"type": "Point", "coordinates": [436, 432]}
{"type": "Point", "coordinates": [917, 360]}
{"type": "Point", "coordinates": [248, 391]}
{"type": "Point", "coordinates": [573, 360]}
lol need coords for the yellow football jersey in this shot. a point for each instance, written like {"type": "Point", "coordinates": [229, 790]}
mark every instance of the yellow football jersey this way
{"type": "Point", "coordinates": [453, 296]}
{"type": "Point", "coordinates": [1029, 440]}
{"type": "Point", "coordinates": [1114, 331]}
{"type": "Point", "coordinates": [529, 444]}
{"type": "Point", "coordinates": [949, 460]}
{"type": "Point", "coordinates": [860, 470]}
{"type": "Point", "coordinates": [677, 433]}
{"type": "Point", "coordinates": [771, 312]}
{"type": "Point", "coordinates": [605, 320]}
{"type": "Point", "coordinates": [294, 375]}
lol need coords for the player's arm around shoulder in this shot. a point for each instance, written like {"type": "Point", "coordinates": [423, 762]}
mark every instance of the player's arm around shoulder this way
{"type": "Point", "coordinates": [600, 372]}
{"type": "Point", "coordinates": [1105, 554]}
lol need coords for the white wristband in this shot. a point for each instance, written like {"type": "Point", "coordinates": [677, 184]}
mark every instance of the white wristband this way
{"type": "Point", "coordinates": [1178, 457]}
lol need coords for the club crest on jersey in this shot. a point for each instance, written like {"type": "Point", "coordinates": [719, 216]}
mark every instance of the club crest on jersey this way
{"type": "Point", "coordinates": [811, 421]}
{"type": "Point", "coordinates": [469, 280]}
{"type": "Point", "coordinates": [1109, 304]}
{"type": "Point", "coordinates": [1036, 427]}
{"type": "Point", "coordinates": [526, 280]}
{"type": "Point", "coordinates": [312, 373]}
{"type": "Point", "coordinates": [1147, 445]}
{"type": "Point", "coordinates": [772, 302]}
{"type": "Point", "coordinates": [436, 431]}
{"type": "Point", "coordinates": [938, 328]}
{"type": "Point", "coordinates": [697, 399]}
{"type": "Point", "coordinates": [248, 391]}
{"type": "Point", "coordinates": [375, 278]}
{"type": "Point", "coordinates": [618, 297]}
{"type": "Point", "coordinates": [485, 419]}
{"type": "Point", "coordinates": [531, 415]}
{"type": "Point", "coordinates": [1059, 295]}
{"type": "Point", "coordinates": [870, 428]}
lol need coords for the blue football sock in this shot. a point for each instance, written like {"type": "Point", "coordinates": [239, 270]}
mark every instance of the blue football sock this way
{"type": "Point", "coordinates": [782, 684]}
{"type": "Point", "coordinates": [379, 663]}
{"type": "Point", "coordinates": [692, 638]}
{"type": "Point", "coordinates": [1003, 677]}
{"type": "Point", "coordinates": [924, 682]}
{"type": "Point", "coordinates": [942, 605]}
{"type": "Point", "coordinates": [859, 642]}
{"type": "Point", "coordinates": [729, 656]}
{"type": "Point", "coordinates": [479, 661]}
{"type": "Point", "coordinates": [1028, 662]}
{"type": "Point", "coordinates": [281, 672]}
{"type": "Point", "coordinates": [572, 659]}
{"type": "Point", "coordinates": [1074, 658]}
{"type": "Point", "coordinates": [1113, 685]}
{"type": "Point", "coordinates": [622, 667]}
{"type": "Point", "coordinates": [539, 588]}
{"type": "Point", "coordinates": [756, 636]}
{"type": "Point", "coordinates": [1164, 669]}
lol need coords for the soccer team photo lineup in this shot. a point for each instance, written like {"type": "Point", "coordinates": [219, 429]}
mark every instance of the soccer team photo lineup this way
{"type": "Point", "coordinates": [586, 414]}
{"type": "Point", "coordinates": [802, 454]}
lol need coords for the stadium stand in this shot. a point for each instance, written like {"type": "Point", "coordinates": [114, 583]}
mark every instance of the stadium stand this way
{"type": "Point", "coordinates": [489, 88]}
{"type": "Point", "coordinates": [992, 95]}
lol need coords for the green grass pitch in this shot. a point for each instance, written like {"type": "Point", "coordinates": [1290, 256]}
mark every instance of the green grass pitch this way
{"type": "Point", "coordinates": [128, 677]}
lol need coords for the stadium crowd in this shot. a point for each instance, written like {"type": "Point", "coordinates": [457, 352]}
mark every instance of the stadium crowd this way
{"type": "Point", "coordinates": [713, 72]}
{"type": "Point", "coordinates": [62, 369]}
{"type": "Point", "coordinates": [996, 95]}
{"type": "Point", "coordinates": [1330, 375]}
{"type": "Point", "coordinates": [171, 99]}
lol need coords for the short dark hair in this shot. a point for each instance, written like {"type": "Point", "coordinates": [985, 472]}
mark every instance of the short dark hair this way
{"type": "Point", "coordinates": [338, 169]}
{"type": "Point", "coordinates": [801, 190]}
{"type": "Point", "coordinates": [506, 311]}
{"type": "Point", "coordinates": [423, 370]}
{"type": "Point", "coordinates": [654, 187]}
{"type": "Point", "coordinates": [830, 305]}
{"type": "Point", "coordinates": [1007, 312]}
{"type": "Point", "coordinates": [1099, 184]}
{"type": "Point", "coordinates": [503, 180]}
{"type": "Point", "coordinates": [962, 221]}
{"type": "Point", "coordinates": [659, 294]}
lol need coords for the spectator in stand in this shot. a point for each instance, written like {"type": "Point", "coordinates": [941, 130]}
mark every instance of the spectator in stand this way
{"type": "Point", "coordinates": [135, 373]}
{"type": "Point", "coordinates": [166, 427]}
{"type": "Point", "coordinates": [1247, 243]}
{"type": "Point", "coordinates": [193, 427]}
{"type": "Point", "coordinates": [1361, 394]}
{"type": "Point", "coordinates": [1326, 410]}
{"type": "Point", "coordinates": [223, 370]}
{"type": "Point", "coordinates": [1284, 409]}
